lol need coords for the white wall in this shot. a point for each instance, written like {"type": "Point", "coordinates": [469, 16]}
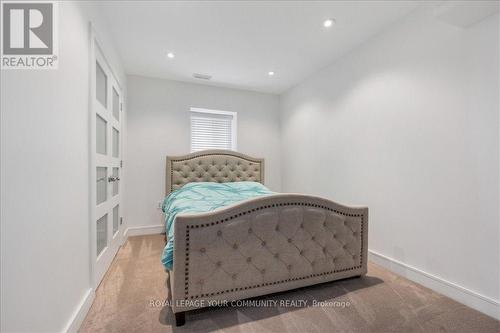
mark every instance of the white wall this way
{"type": "Point", "coordinates": [408, 125]}
{"type": "Point", "coordinates": [44, 175]}
{"type": "Point", "coordinates": [159, 125]}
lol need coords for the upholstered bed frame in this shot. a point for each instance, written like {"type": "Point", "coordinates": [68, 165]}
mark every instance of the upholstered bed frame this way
{"type": "Point", "coordinates": [259, 246]}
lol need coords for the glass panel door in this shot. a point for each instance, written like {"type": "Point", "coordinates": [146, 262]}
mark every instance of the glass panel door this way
{"type": "Point", "coordinates": [116, 176]}
{"type": "Point", "coordinates": [102, 234]}
{"type": "Point", "coordinates": [101, 85]}
{"type": "Point", "coordinates": [116, 218]}
{"type": "Point", "coordinates": [101, 185]}
{"type": "Point", "coordinates": [116, 104]}
{"type": "Point", "coordinates": [106, 221]}
{"type": "Point", "coordinates": [116, 143]}
{"type": "Point", "coordinates": [100, 131]}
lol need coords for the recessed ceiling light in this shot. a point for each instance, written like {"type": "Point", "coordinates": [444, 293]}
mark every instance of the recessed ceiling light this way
{"type": "Point", "coordinates": [170, 55]}
{"type": "Point", "coordinates": [271, 73]}
{"type": "Point", "coordinates": [328, 23]}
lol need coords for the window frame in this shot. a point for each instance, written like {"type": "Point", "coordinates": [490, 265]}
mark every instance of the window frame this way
{"type": "Point", "coordinates": [234, 124]}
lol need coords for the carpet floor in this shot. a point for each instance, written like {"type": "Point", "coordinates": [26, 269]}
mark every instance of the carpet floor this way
{"type": "Point", "coordinates": [130, 299]}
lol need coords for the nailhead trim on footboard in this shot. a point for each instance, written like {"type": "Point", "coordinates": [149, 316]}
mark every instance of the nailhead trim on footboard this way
{"type": "Point", "coordinates": [186, 281]}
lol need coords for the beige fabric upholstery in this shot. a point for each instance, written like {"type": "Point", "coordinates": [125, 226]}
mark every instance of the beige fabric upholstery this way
{"type": "Point", "coordinates": [259, 246]}
{"type": "Point", "coordinates": [265, 245]}
{"type": "Point", "coordinates": [212, 166]}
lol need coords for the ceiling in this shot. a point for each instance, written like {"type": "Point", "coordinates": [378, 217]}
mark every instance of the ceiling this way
{"type": "Point", "coordinates": [238, 43]}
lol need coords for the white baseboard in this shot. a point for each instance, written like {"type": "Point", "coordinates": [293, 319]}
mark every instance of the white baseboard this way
{"type": "Point", "coordinates": [482, 303]}
{"type": "Point", "coordinates": [145, 230]}
{"type": "Point", "coordinates": [81, 311]}
{"type": "Point", "coordinates": [83, 307]}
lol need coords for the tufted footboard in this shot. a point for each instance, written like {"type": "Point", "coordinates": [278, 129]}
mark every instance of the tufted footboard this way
{"type": "Point", "coordinates": [265, 245]}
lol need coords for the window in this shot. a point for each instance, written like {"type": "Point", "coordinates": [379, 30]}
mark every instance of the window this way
{"type": "Point", "coordinates": [212, 129]}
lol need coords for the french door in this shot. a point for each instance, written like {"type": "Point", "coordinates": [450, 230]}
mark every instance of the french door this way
{"type": "Point", "coordinates": [106, 228]}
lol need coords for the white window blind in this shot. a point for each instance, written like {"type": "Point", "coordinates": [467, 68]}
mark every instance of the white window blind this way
{"type": "Point", "coordinates": [212, 129]}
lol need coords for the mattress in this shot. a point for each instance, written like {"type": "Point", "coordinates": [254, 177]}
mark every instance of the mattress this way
{"type": "Point", "coordinates": [203, 197]}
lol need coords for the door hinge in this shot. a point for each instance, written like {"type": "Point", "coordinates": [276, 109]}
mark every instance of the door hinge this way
{"type": "Point", "coordinates": [121, 163]}
{"type": "Point", "coordinates": [121, 106]}
{"type": "Point", "coordinates": [121, 220]}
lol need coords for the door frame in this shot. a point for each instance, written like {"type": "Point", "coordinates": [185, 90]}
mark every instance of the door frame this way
{"type": "Point", "coordinates": [95, 46]}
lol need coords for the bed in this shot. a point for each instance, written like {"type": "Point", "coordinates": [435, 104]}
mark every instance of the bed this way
{"type": "Point", "coordinates": [265, 244]}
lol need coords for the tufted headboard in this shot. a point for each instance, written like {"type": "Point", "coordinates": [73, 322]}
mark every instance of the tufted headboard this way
{"type": "Point", "coordinates": [219, 166]}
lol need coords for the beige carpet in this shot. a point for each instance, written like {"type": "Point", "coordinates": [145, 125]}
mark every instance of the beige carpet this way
{"type": "Point", "coordinates": [379, 302]}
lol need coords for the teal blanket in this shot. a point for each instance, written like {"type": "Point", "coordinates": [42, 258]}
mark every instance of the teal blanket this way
{"type": "Point", "coordinates": [203, 197]}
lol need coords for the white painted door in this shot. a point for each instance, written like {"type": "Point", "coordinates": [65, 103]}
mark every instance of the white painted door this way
{"type": "Point", "coordinates": [108, 119]}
